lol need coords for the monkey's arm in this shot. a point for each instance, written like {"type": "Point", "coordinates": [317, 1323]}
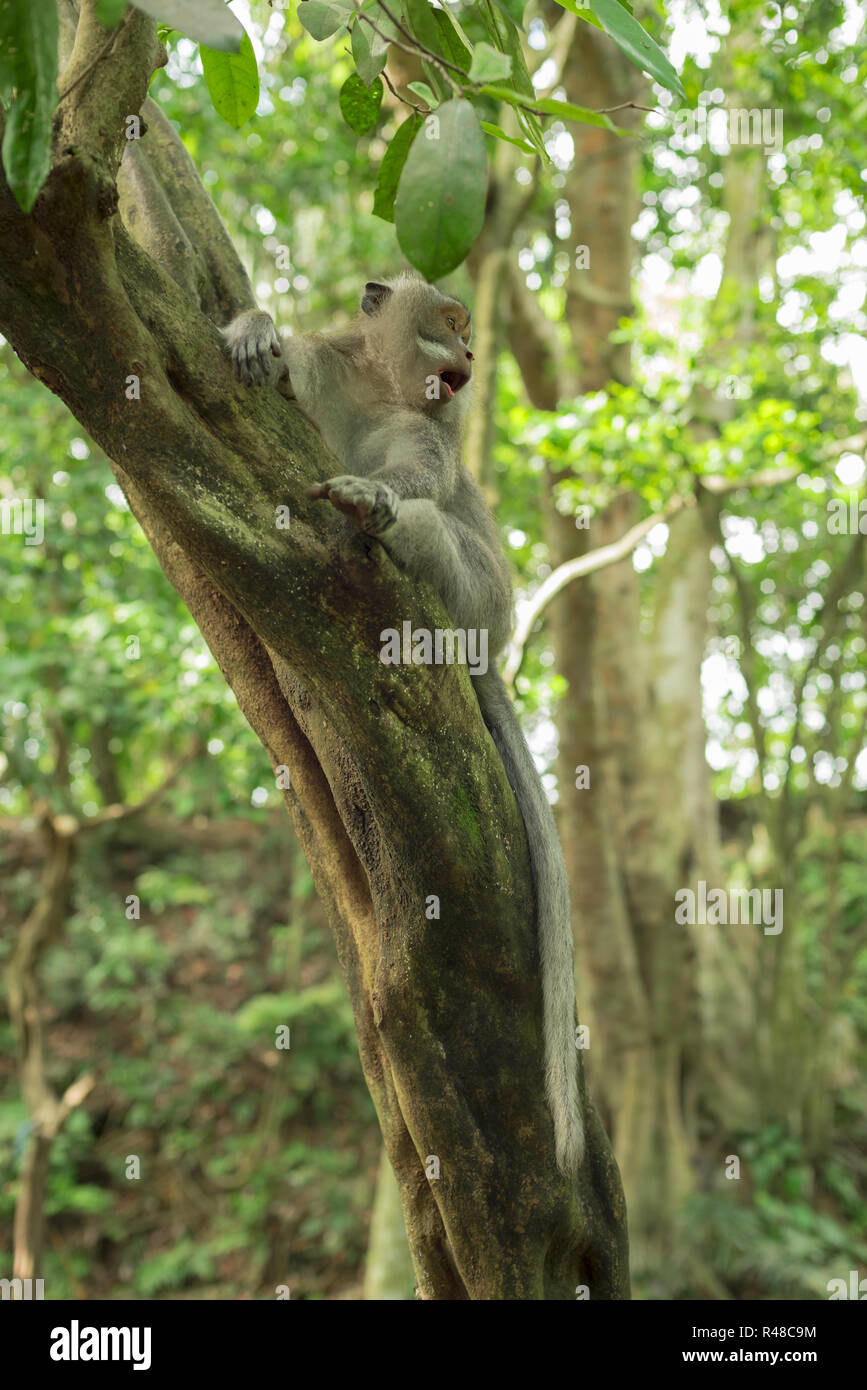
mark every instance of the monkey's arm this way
{"type": "Point", "coordinates": [433, 545]}
{"type": "Point", "coordinates": [431, 518]}
{"type": "Point", "coordinates": [309, 370]}
{"type": "Point", "coordinates": [411, 454]}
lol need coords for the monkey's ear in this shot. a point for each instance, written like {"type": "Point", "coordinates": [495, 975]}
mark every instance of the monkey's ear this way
{"type": "Point", "coordinates": [374, 297]}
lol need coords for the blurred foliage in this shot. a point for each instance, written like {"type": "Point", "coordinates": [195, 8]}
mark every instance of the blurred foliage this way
{"type": "Point", "coordinates": [790, 1234]}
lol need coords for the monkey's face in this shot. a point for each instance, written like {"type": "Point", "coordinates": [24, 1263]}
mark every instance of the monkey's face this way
{"type": "Point", "coordinates": [443, 361]}
{"type": "Point", "coordinates": [449, 332]}
{"type": "Point", "coordinates": [428, 334]}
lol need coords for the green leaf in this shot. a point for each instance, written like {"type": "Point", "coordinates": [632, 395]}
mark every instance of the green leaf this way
{"type": "Point", "coordinates": [440, 204]}
{"type": "Point", "coordinates": [110, 12]}
{"type": "Point", "coordinates": [322, 18]}
{"type": "Point", "coordinates": [359, 104]}
{"type": "Point", "coordinates": [374, 9]}
{"type": "Point", "coordinates": [233, 82]}
{"type": "Point", "coordinates": [8, 69]}
{"type": "Point", "coordinates": [391, 168]}
{"type": "Point", "coordinates": [435, 79]}
{"type": "Point", "coordinates": [567, 110]}
{"type": "Point", "coordinates": [637, 44]}
{"type": "Point", "coordinates": [422, 90]}
{"type": "Point", "coordinates": [512, 139]}
{"type": "Point", "coordinates": [454, 43]}
{"type": "Point", "coordinates": [28, 44]}
{"type": "Point", "coordinates": [576, 7]}
{"type": "Point", "coordinates": [422, 25]}
{"type": "Point", "coordinates": [488, 64]}
{"type": "Point", "coordinates": [419, 19]}
{"type": "Point", "coordinates": [369, 51]}
{"type": "Point", "coordinates": [206, 21]}
{"type": "Point", "coordinates": [507, 38]}
{"type": "Point", "coordinates": [513, 9]}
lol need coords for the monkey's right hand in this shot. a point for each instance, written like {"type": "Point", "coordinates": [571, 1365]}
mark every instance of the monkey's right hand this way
{"type": "Point", "coordinates": [372, 505]}
{"type": "Point", "coordinates": [252, 340]}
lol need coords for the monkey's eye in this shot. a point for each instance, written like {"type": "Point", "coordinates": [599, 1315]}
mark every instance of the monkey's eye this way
{"type": "Point", "coordinates": [450, 322]}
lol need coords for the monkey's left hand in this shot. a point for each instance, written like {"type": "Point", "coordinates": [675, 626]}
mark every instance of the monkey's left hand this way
{"type": "Point", "coordinates": [372, 505]}
{"type": "Point", "coordinates": [252, 340]}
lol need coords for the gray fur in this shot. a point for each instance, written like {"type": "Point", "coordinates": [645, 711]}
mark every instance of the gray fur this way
{"type": "Point", "coordinates": [366, 388]}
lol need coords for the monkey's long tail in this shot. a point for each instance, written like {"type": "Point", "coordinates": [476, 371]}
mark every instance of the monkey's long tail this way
{"type": "Point", "coordinates": [552, 918]}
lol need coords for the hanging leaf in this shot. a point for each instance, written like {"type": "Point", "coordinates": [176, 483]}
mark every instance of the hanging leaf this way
{"type": "Point", "coordinates": [492, 129]}
{"type": "Point", "coordinates": [369, 51]}
{"type": "Point", "coordinates": [637, 44]}
{"type": "Point", "coordinates": [488, 64]}
{"type": "Point", "coordinates": [513, 9]}
{"type": "Point", "coordinates": [28, 66]}
{"type": "Point", "coordinates": [507, 38]}
{"type": "Point", "coordinates": [391, 168]}
{"type": "Point", "coordinates": [422, 25]}
{"type": "Point", "coordinates": [566, 110]}
{"type": "Point", "coordinates": [322, 18]}
{"type": "Point", "coordinates": [454, 43]}
{"type": "Point", "coordinates": [577, 8]}
{"type": "Point", "coordinates": [440, 205]}
{"type": "Point", "coordinates": [233, 82]}
{"type": "Point", "coordinates": [421, 89]}
{"type": "Point", "coordinates": [206, 21]}
{"type": "Point", "coordinates": [359, 105]}
{"type": "Point", "coordinates": [375, 14]}
{"type": "Point", "coordinates": [436, 79]}
{"type": "Point", "coordinates": [420, 20]}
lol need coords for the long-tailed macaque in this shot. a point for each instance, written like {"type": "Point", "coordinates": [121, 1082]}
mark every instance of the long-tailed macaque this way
{"type": "Point", "coordinates": [388, 395]}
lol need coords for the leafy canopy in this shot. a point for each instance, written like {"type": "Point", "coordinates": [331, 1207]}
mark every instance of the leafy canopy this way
{"type": "Point", "coordinates": [433, 187]}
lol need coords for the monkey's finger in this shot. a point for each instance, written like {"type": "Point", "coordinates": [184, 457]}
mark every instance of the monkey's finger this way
{"type": "Point", "coordinates": [257, 374]}
{"type": "Point", "coordinates": [349, 508]}
{"type": "Point", "coordinates": [238, 361]}
{"type": "Point", "coordinates": [276, 345]}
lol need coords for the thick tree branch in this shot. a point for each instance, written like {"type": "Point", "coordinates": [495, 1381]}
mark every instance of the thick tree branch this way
{"type": "Point", "coordinates": [583, 565]}
{"type": "Point", "coordinates": [605, 555]}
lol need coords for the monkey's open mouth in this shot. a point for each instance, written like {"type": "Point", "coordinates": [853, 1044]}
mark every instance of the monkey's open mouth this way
{"type": "Point", "coordinates": [453, 381]}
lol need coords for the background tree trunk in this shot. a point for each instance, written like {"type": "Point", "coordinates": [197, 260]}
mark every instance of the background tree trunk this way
{"type": "Point", "coordinates": [388, 1267]}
